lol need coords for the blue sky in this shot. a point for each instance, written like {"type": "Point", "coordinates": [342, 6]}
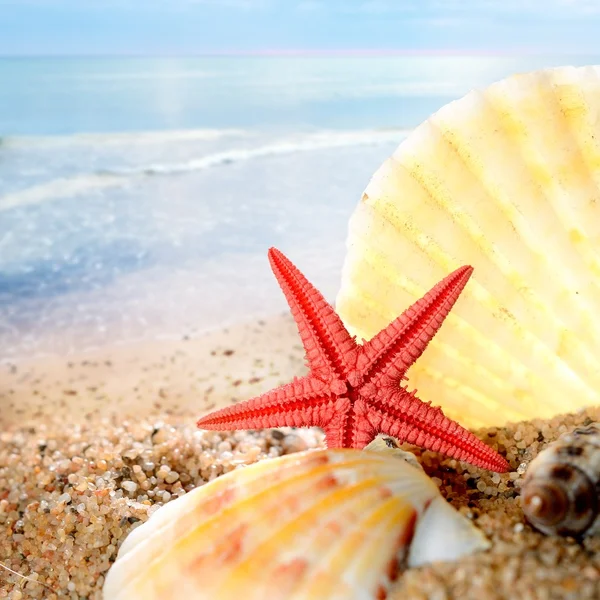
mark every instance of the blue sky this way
{"type": "Point", "coordinates": [201, 26]}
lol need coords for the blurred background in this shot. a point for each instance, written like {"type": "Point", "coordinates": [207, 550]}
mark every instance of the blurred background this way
{"type": "Point", "coordinates": [151, 152]}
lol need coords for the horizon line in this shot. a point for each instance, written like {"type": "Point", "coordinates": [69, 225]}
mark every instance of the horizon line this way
{"type": "Point", "coordinates": [308, 52]}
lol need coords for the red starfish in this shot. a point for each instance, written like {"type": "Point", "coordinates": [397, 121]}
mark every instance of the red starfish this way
{"type": "Point", "coordinates": [353, 391]}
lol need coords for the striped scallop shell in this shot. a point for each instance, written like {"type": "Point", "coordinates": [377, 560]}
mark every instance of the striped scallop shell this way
{"type": "Point", "coordinates": [323, 524]}
{"type": "Point", "coordinates": [507, 180]}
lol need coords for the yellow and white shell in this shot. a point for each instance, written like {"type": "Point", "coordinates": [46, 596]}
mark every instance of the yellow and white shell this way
{"type": "Point", "coordinates": [323, 524]}
{"type": "Point", "coordinates": [506, 179]}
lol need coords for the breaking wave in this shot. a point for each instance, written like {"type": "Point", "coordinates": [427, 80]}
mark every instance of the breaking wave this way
{"type": "Point", "coordinates": [66, 187]}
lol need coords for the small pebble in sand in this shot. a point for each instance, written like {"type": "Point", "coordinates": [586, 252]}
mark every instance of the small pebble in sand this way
{"type": "Point", "coordinates": [130, 486]}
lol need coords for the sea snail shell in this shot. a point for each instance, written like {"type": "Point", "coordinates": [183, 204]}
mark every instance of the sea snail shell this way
{"type": "Point", "coordinates": [561, 491]}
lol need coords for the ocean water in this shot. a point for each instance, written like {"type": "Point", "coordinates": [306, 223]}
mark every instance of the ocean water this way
{"type": "Point", "coordinates": [138, 197]}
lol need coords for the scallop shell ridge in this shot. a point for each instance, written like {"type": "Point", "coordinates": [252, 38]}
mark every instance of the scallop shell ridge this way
{"type": "Point", "coordinates": [506, 179]}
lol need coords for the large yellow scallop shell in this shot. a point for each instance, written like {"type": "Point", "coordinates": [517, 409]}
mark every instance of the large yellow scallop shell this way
{"type": "Point", "coordinates": [317, 525]}
{"type": "Point", "coordinates": [507, 180]}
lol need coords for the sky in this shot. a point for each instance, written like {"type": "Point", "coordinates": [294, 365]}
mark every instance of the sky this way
{"type": "Point", "coordinates": [166, 27]}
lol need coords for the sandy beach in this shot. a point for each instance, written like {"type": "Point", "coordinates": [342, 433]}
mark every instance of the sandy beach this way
{"type": "Point", "coordinates": [175, 376]}
{"type": "Point", "coordinates": [92, 445]}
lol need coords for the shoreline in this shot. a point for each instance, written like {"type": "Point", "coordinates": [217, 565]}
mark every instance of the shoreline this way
{"type": "Point", "coordinates": [175, 376]}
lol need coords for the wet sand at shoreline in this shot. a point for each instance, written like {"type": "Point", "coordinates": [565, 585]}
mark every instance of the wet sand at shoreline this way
{"type": "Point", "coordinates": [174, 376]}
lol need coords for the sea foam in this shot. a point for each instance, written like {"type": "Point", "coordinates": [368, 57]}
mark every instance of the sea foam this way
{"type": "Point", "coordinates": [86, 183]}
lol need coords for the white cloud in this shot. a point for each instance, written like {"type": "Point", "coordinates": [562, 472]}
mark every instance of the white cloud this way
{"type": "Point", "coordinates": [479, 7]}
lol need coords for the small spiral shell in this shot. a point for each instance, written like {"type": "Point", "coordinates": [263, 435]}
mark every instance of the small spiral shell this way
{"type": "Point", "coordinates": [561, 491]}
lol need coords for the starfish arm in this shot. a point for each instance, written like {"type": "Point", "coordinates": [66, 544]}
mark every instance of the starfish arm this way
{"type": "Point", "coordinates": [394, 349]}
{"type": "Point", "coordinates": [402, 415]}
{"type": "Point", "coordinates": [304, 402]}
{"type": "Point", "coordinates": [330, 350]}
